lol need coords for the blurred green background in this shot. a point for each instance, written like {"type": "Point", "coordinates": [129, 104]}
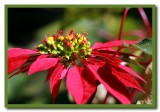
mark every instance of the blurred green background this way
{"type": "Point", "coordinates": [27, 27]}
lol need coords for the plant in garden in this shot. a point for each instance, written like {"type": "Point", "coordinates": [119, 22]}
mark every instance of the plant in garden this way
{"type": "Point", "coordinates": [84, 67]}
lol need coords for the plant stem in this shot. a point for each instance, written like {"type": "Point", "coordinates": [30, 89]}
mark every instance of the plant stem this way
{"type": "Point", "coordinates": [116, 53]}
{"type": "Point", "coordinates": [146, 21]}
{"type": "Point", "coordinates": [121, 28]}
{"type": "Point", "coordinates": [122, 23]}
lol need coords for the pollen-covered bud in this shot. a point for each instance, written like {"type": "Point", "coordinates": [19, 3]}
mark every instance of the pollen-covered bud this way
{"type": "Point", "coordinates": [73, 43]}
{"type": "Point", "coordinates": [40, 45]}
{"type": "Point", "coordinates": [61, 38]}
{"type": "Point", "coordinates": [88, 51]}
{"type": "Point", "coordinates": [60, 47]}
{"type": "Point", "coordinates": [69, 47]}
{"type": "Point", "coordinates": [54, 52]}
{"type": "Point", "coordinates": [83, 42]}
{"type": "Point", "coordinates": [75, 54]}
{"type": "Point", "coordinates": [66, 56]}
{"type": "Point", "coordinates": [55, 37]}
{"type": "Point", "coordinates": [78, 35]}
{"type": "Point", "coordinates": [50, 40]}
{"type": "Point", "coordinates": [88, 43]}
{"type": "Point", "coordinates": [69, 38]}
{"type": "Point", "coordinates": [80, 41]}
{"type": "Point", "coordinates": [83, 51]}
{"type": "Point", "coordinates": [84, 38]}
{"type": "Point", "coordinates": [70, 32]}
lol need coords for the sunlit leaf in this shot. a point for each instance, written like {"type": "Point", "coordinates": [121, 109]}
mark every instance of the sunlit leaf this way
{"type": "Point", "coordinates": [134, 62]}
{"type": "Point", "coordinates": [145, 45]}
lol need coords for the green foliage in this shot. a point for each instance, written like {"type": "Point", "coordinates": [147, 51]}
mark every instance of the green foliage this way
{"type": "Point", "coordinates": [145, 45]}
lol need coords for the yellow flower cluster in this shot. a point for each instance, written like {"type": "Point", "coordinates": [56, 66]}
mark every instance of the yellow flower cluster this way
{"type": "Point", "coordinates": [70, 47]}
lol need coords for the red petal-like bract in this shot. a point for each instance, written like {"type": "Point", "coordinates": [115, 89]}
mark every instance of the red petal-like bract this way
{"type": "Point", "coordinates": [15, 62]}
{"type": "Point", "coordinates": [42, 64]}
{"type": "Point", "coordinates": [97, 62]}
{"type": "Point", "coordinates": [111, 83]}
{"type": "Point", "coordinates": [114, 43]}
{"type": "Point", "coordinates": [119, 53]}
{"type": "Point", "coordinates": [97, 45]}
{"type": "Point", "coordinates": [64, 72]}
{"type": "Point", "coordinates": [17, 57]}
{"type": "Point", "coordinates": [14, 52]}
{"type": "Point", "coordinates": [108, 57]}
{"type": "Point", "coordinates": [50, 71]}
{"type": "Point", "coordinates": [21, 70]}
{"type": "Point", "coordinates": [130, 71]}
{"type": "Point", "coordinates": [117, 64]}
{"type": "Point", "coordinates": [42, 56]}
{"type": "Point", "coordinates": [55, 81]}
{"type": "Point", "coordinates": [81, 84]}
{"type": "Point", "coordinates": [126, 79]}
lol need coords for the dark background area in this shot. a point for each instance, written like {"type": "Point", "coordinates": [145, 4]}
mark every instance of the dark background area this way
{"type": "Point", "coordinates": [23, 22]}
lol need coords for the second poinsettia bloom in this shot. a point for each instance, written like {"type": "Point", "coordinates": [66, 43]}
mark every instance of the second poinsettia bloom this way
{"type": "Point", "coordinates": [83, 65]}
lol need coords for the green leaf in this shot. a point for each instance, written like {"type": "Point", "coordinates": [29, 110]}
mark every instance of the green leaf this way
{"type": "Point", "coordinates": [145, 45]}
{"type": "Point", "coordinates": [134, 62]}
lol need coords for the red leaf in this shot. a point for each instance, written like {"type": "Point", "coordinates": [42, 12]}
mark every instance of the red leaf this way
{"type": "Point", "coordinates": [119, 53]}
{"type": "Point", "coordinates": [42, 64]}
{"type": "Point", "coordinates": [110, 82]}
{"type": "Point", "coordinates": [22, 70]}
{"type": "Point", "coordinates": [50, 71]}
{"type": "Point", "coordinates": [55, 81]}
{"type": "Point", "coordinates": [15, 62]}
{"type": "Point", "coordinates": [81, 84]}
{"type": "Point", "coordinates": [109, 58]}
{"type": "Point", "coordinates": [97, 62]}
{"type": "Point", "coordinates": [13, 52]}
{"type": "Point", "coordinates": [130, 71]}
{"type": "Point", "coordinates": [126, 79]}
{"type": "Point", "coordinates": [42, 56]}
{"type": "Point", "coordinates": [97, 45]}
{"type": "Point", "coordinates": [64, 72]}
{"type": "Point", "coordinates": [114, 43]}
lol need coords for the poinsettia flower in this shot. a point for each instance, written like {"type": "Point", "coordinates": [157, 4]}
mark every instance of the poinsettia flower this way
{"type": "Point", "coordinates": [59, 55]}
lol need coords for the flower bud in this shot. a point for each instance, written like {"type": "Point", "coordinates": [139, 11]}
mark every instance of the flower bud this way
{"type": "Point", "coordinates": [80, 40]}
{"type": "Point", "coordinates": [88, 43]}
{"type": "Point", "coordinates": [61, 38]}
{"type": "Point", "coordinates": [50, 40]}
{"type": "Point", "coordinates": [54, 52]}
{"type": "Point", "coordinates": [68, 47]}
{"type": "Point", "coordinates": [75, 54]}
{"type": "Point", "coordinates": [83, 51]}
